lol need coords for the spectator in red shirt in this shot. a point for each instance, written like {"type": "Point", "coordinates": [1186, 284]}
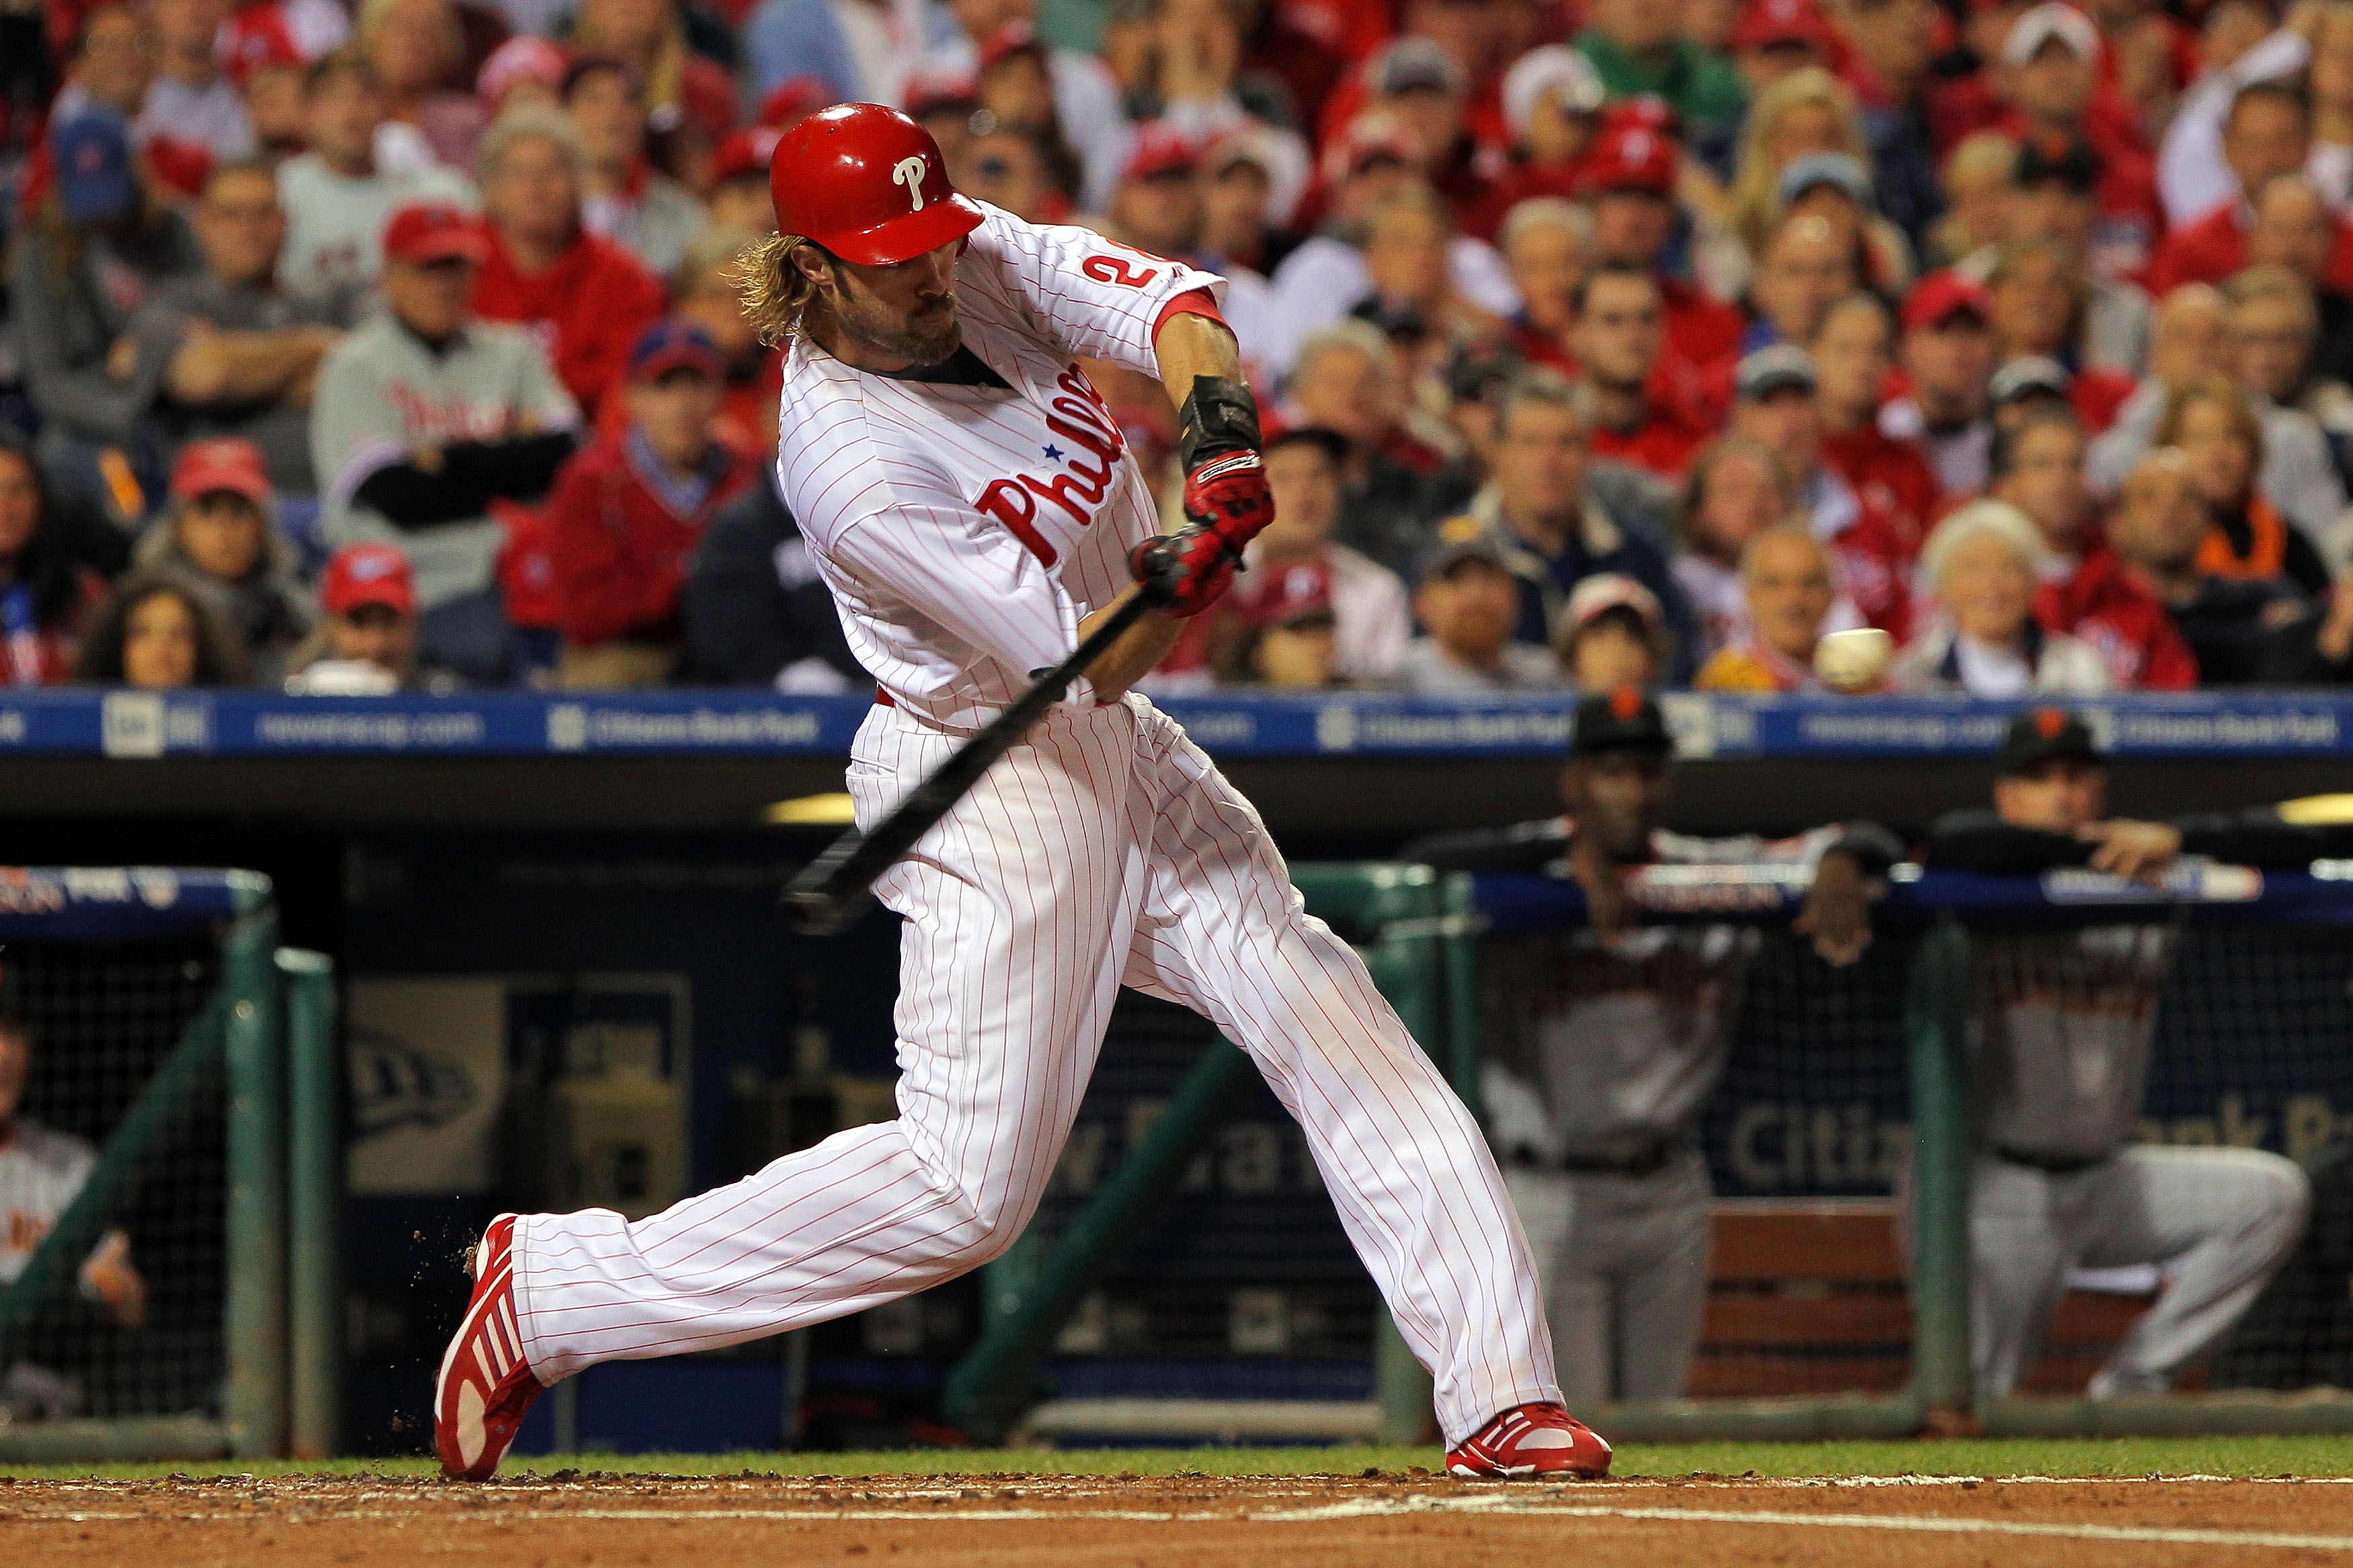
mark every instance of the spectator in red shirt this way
{"type": "Point", "coordinates": [1854, 354]}
{"type": "Point", "coordinates": [627, 515]}
{"type": "Point", "coordinates": [1618, 332]}
{"type": "Point", "coordinates": [589, 297]}
{"type": "Point", "coordinates": [1948, 364]}
{"type": "Point", "coordinates": [2268, 135]}
{"type": "Point", "coordinates": [1629, 180]}
{"type": "Point", "coordinates": [1778, 405]}
{"type": "Point", "coordinates": [1552, 108]}
{"type": "Point", "coordinates": [2086, 590]}
{"type": "Point", "coordinates": [2050, 72]}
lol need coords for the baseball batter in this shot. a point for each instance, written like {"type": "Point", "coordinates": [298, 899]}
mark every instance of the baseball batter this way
{"type": "Point", "coordinates": [974, 509]}
{"type": "Point", "coordinates": [1614, 1040]}
{"type": "Point", "coordinates": [2068, 1018]}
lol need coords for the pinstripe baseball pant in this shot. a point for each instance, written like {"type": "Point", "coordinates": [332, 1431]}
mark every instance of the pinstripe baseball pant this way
{"type": "Point", "coordinates": [1105, 850]}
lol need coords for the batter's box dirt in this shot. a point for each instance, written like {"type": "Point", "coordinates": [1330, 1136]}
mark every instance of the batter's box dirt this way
{"type": "Point", "coordinates": [1299, 1522]}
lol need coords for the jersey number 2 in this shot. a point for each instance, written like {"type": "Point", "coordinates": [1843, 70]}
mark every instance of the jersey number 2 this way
{"type": "Point", "coordinates": [1112, 269]}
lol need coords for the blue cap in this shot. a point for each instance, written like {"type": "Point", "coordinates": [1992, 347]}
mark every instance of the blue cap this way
{"type": "Point", "coordinates": [92, 156]}
{"type": "Point", "coordinates": [675, 345]}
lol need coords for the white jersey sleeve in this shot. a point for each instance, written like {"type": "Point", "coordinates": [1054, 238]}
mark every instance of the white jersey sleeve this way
{"type": "Point", "coordinates": [1089, 296]}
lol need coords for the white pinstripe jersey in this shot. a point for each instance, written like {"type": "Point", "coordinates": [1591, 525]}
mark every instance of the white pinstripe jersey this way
{"type": "Point", "coordinates": [965, 530]}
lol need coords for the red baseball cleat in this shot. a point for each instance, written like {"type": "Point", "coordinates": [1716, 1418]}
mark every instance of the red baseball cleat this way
{"type": "Point", "coordinates": [1530, 1442]}
{"type": "Point", "coordinates": [485, 1384]}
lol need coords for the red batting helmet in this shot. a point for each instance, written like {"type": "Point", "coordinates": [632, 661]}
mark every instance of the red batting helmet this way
{"type": "Point", "coordinates": [869, 184]}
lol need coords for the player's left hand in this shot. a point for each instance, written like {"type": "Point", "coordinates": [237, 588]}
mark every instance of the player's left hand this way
{"type": "Point", "coordinates": [1225, 478]}
{"type": "Point", "coordinates": [2142, 851]}
{"type": "Point", "coordinates": [1838, 909]}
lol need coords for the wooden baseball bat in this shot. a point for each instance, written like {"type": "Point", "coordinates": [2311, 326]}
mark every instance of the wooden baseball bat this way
{"type": "Point", "coordinates": [828, 893]}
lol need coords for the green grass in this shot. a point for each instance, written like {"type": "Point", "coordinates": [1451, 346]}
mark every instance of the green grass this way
{"type": "Point", "coordinates": [2010, 1456]}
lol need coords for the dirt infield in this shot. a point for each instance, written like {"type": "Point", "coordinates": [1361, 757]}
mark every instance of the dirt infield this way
{"type": "Point", "coordinates": [1372, 1521]}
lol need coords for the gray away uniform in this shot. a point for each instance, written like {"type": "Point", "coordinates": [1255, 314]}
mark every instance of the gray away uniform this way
{"type": "Point", "coordinates": [2065, 1022]}
{"type": "Point", "coordinates": [1593, 1093]}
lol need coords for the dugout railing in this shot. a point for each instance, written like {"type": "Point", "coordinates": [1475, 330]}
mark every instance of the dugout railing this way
{"type": "Point", "coordinates": [198, 1061]}
{"type": "Point", "coordinates": [1831, 1315]}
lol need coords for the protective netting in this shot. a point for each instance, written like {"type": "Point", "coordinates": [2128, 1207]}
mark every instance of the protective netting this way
{"type": "Point", "coordinates": [1244, 1287]}
{"type": "Point", "coordinates": [102, 1017]}
{"type": "Point", "coordinates": [2146, 1024]}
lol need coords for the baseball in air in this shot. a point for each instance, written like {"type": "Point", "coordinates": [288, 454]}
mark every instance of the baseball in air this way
{"type": "Point", "coordinates": [1854, 660]}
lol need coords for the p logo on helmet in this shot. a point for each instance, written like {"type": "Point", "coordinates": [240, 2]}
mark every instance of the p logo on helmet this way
{"type": "Point", "coordinates": [910, 174]}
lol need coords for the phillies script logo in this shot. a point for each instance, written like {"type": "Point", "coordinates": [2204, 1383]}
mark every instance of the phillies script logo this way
{"type": "Point", "coordinates": [1081, 418]}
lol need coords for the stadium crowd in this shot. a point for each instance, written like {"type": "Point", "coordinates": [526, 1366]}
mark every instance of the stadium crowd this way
{"type": "Point", "coordinates": [1634, 342]}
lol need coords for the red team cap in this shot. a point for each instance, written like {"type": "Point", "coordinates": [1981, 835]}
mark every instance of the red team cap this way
{"type": "Point", "coordinates": [1767, 24]}
{"type": "Point", "coordinates": [526, 57]}
{"type": "Point", "coordinates": [1016, 37]}
{"type": "Point", "coordinates": [1160, 149]}
{"type": "Point", "coordinates": [869, 184]}
{"type": "Point", "coordinates": [1628, 157]}
{"type": "Point", "coordinates": [255, 39]}
{"type": "Point", "coordinates": [1941, 295]}
{"type": "Point", "coordinates": [368, 574]}
{"type": "Point", "coordinates": [1291, 596]}
{"type": "Point", "coordinates": [744, 154]}
{"type": "Point", "coordinates": [424, 231]}
{"type": "Point", "coordinates": [224, 463]}
{"type": "Point", "coordinates": [795, 99]}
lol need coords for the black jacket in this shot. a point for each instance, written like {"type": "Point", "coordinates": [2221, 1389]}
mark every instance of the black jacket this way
{"type": "Point", "coordinates": [753, 603]}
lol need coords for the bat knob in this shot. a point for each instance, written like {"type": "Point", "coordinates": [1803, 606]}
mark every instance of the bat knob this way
{"type": "Point", "coordinates": [814, 914]}
{"type": "Point", "coordinates": [1158, 569]}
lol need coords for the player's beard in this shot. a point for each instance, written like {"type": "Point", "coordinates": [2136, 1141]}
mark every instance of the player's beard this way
{"type": "Point", "coordinates": [924, 337]}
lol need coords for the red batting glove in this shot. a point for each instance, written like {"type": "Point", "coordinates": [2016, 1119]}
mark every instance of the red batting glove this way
{"type": "Point", "coordinates": [1185, 573]}
{"type": "Point", "coordinates": [1229, 496]}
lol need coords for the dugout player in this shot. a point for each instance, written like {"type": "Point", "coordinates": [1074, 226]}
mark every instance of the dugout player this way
{"type": "Point", "coordinates": [1595, 1103]}
{"type": "Point", "coordinates": [41, 1173]}
{"type": "Point", "coordinates": [2062, 1054]}
{"type": "Point", "coordinates": [972, 506]}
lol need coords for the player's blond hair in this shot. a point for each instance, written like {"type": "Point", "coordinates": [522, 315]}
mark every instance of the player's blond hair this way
{"type": "Point", "coordinates": [775, 292]}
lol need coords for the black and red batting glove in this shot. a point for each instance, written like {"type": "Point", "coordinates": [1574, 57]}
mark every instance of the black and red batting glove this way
{"type": "Point", "coordinates": [1227, 501]}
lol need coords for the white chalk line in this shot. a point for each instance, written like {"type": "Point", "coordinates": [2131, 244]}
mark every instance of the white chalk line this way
{"type": "Point", "coordinates": [1502, 1504]}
